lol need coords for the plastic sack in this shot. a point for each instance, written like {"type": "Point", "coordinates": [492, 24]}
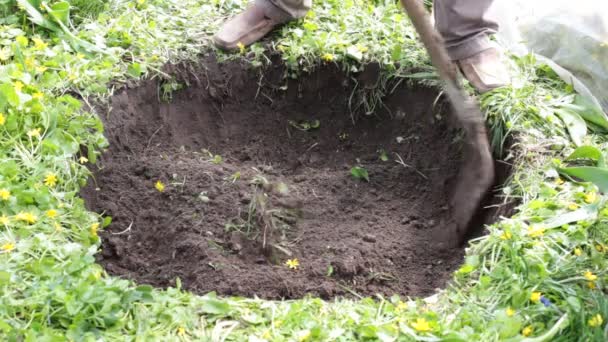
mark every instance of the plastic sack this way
{"type": "Point", "coordinates": [571, 34]}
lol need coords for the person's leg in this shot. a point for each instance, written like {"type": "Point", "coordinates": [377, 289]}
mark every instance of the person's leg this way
{"type": "Point", "coordinates": [466, 26]}
{"type": "Point", "coordinates": [258, 20]}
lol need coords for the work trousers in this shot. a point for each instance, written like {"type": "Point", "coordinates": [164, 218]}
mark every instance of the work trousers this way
{"type": "Point", "coordinates": [464, 24]}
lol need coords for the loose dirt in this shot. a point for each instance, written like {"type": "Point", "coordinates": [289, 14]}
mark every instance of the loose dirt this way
{"type": "Point", "coordinates": [226, 130]}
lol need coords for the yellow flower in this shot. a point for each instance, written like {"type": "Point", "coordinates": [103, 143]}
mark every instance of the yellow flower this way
{"type": "Point", "coordinates": [8, 247]}
{"type": "Point", "coordinates": [159, 186]}
{"type": "Point", "coordinates": [18, 86]}
{"type": "Point", "coordinates": [506, 236]}
{"type": "Point", "coordinates": [536, 231]}
{"type": "Point", "coordinates": [421, 325]}
{"type": "Point", "coordinates": [510, 312]}
{"type": "Point", "coordinates": [573, 206]}
{"type": "Point", "coordinates": [5, 194]}
{"type": "Point", "coordinates": [590, 276]}
{"type": "Point", "coordinates": [141, 2]}
{"type": "Point", "coordinates": [50, 180]}
{"type": "Point", "coordinates": [527, 331]}
{"type": "Point", "coordinates": [51, 213]}
{"type": "Point", "coordinates": [590, 197]}
{"type": "Point", "coordinates": [83, 160]}
{"type": "Point", "coordinates": [26, 217]}
{"type": "Point", "coordinates": [2, 119]}
{"type": "Point", "coordinates": [34, 132]}
{"type": "Point", "coordinates": [328, 57]}
{"type": "Point", "coordinates": [241, 47]}
{"type": "Point", "coordinates": [22, 40]}
{"type": "Point", "coordinates": [94, 228]}
{"type": "Point", "coordinates": [38, 96]}
{"type": "Point", "coordinates": [181, 331]}
{"type": "Point", "coordinates": [30, 63]}
{"type": "Point", "coordinates": [41, 69]}
{"type": "Point", "coordinates": [4, 220]}
{"type": "Point", "coordinates": [591, 285]}
{"type": "Point", "coordinates": [596, 321]}
{"type": "Point", "coordinates": [292, 264]}
{"type": "Point", "coordinates": [578, 251]}
{"type": "Point", "coordinates": [39, 44]}
{"type": "Point", "coordinates": [401, 306]}
{"type": "Point", "coordinates": [535, 297]}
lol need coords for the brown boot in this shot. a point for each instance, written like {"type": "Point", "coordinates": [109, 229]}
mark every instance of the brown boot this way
{"type": "Point", "coordinates": [246, 28]}
{"type": "Point", "coordinates": [485, 70]}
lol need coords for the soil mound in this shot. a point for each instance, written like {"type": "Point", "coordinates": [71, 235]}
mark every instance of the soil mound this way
{"type": "Point", "coordinates": [256, 174]}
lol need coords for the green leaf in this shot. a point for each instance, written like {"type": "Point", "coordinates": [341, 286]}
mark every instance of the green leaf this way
{"type": "Point", "coordinates": [135, 70]}
{"type": "Point", "coordinates": [8, 96]}
{"type": "Point", "coordinates": [214, 306]}
{"type": "Point", "coordinates": [585, 213]}
{"type": "Point", "coordinates": [596, 175]}
{"type": "Point", "coordinates": [588, 152]}
{"type": "Point", "coordinates": [61, 11]}
{"type": "Point", "coordinates": [577, 128]}
{"type": "Point", "coordinates": [588, 111]}
{"type": "Point", "coordinates": [106, 221]}
{"type": "Point", "coordinates": [36, 17]}
{"type": "Point", "coordinates": [359, 173]}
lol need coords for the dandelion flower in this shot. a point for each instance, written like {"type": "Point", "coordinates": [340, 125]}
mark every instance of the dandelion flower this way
{"type": "Point", "coordinates": [18, 86]}
{"type": "Point", "coordinates": [2, 119]}
{"type": "Point", "coordinates": [94, 228]}
{"type": "Point", "coordinates": [26, 217]}
{"type": "Point", "coordinates": [573, 206]}
{"type": "Point", "coordinates": [241, 47]}
{"type": "Point", "coordinates": [50, 180]}
{"type": "Point", "coordinates": [39, 44]}
{"type": "Point", "coordinates": [83, 160]}
{"type": "Point", "coordinates": [51, 213]}
{"type": "Point", "coordinates": [328, 57]}
{"type": "Point", "coordinates": [578, 251]}
{"type": "Point", "coordinates": [527, 331]}
{"type": "Point", "coordinates": [8, 247]}
{"type": "Point", "coordinates": [4, 220]}
{"type": "Point", "coordinates": [590, 276]}
{"type": "Point", "coordinates": [596, 321]}
{"type": "Point", "coordinates": [591, 285]}
{"type": "Point", "coordinates": [535, 297]}
{"type": "Point", "coordinates": [506, 236]}
{"type": "Point", "coordinates": [536, 231]}
{"type": "Point", "coordinates": [510, 312]}
{"type": "Point", "coordinates": [181, 331]}
{"type": "Point", "coordinates": [292, 264]}
{"type": "Point", "coordinates": [5, 194]}
{"type": "Point", "coordinates": [159, 186]}
{"type": "Point", "coordinates": [590, 197]}
{"type": "Point", "coordinates": [401, 306]}
{"type": "Point", "coordinates": [421, 325]}
{"type": "Point", "coordinates": [38, 96]}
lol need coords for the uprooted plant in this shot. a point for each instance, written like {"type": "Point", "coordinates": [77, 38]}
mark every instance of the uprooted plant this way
{"type": "Point", "coordinates": [272, 211]}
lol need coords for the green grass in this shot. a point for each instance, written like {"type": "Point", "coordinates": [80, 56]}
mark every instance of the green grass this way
{"type": "Point", "coordinates": [52, 289]}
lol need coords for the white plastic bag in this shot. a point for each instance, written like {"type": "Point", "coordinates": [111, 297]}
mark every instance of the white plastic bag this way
{"type": "Point", "coordinates": [572, 34]}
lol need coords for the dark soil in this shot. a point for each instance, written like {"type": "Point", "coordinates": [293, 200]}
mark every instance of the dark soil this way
{"type": "Point", "coordinates": [349, 235]}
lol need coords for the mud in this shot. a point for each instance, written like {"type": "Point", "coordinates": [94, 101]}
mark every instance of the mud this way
{"type": "Point", "coordinates": [349, 235]}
